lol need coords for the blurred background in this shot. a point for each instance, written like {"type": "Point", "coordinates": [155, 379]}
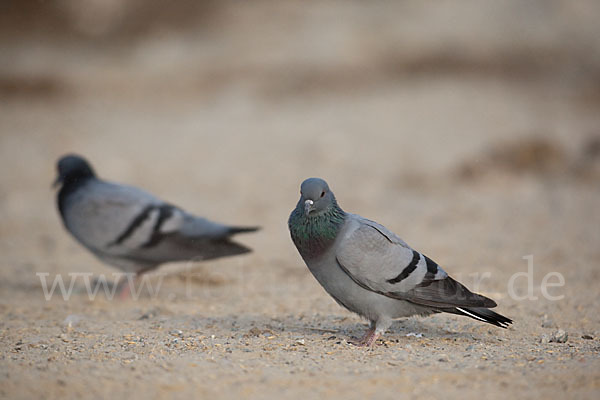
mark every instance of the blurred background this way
{"type": "Point", "coordinates": [470, 128]}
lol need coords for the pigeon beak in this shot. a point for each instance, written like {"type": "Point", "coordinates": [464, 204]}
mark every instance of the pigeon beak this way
{"type": "Point", "coordinates": [57, 182]}
{"type": "Point", "coordinates": [308, 206]}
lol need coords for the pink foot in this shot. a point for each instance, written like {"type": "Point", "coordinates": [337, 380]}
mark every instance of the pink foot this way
{"type": "Point", "coordinates": [126, 286]}
{"type": "Point", "coordinates": [125, 291]}
{"type": "Point", "coordinates": [368, 339]}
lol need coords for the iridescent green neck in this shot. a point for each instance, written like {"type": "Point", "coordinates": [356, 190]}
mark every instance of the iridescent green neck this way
{"type": "Point", "coordinates": [313, 234]}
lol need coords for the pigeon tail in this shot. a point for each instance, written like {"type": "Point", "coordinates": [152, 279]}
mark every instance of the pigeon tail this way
{"type": "Point", "coordinates": [483, 314]}
{"type": "Point", "coordinates": [222, 248]}
{"type": "Point", "coordinates": [242, 229]}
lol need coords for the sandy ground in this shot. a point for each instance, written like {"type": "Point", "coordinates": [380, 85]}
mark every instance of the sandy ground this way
{"type": "Point", "coordinates": [471, 131]}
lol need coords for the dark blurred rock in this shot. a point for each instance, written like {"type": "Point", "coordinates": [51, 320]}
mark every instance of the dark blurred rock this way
{"type": "Point", "coordinates": [72, 19]}
{"type": "Point", "coordinates": [591, 148]}
{"type": "Point", "coordinates": [35, 86]}
{"type": "Point", "coordinates": [587, 164]}
{"type": "Point", "coordinates": [535, 155]}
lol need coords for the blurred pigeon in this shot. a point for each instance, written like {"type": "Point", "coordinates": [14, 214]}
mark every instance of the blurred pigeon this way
{"type": "Point", "coordinates": [131, 229]}
{"type": "Point", "coordinates": [371, 271]}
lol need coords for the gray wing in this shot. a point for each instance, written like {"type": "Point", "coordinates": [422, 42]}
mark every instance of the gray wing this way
{"type": "Point", "coordinates": [119, 222]}
{"type": "Point", "coordinates": [378, 260]}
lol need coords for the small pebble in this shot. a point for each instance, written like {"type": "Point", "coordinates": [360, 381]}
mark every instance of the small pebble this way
{"type": "Point", "coordinates": [71, 320]}
{"type": "Point", "coordinates": [149, 314]}
{"type": "Point", "coordinates": [559, 336]}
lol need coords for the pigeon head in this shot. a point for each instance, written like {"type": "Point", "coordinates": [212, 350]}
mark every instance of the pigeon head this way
{"type": "Point", "coordinates": [316, 220]}
{"type": "Point", "coordinates": [72, 168]}
{"type": "Point", "coordinates": [316, 197]}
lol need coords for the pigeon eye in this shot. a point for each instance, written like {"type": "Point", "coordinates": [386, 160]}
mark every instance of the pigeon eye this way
{"type": "Point", "coordinates": [322, 194]}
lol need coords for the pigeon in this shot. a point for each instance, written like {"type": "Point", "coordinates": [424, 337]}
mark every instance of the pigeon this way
{"type": "Point", "coordinates": [131, 229]}
{"type": "Point", "coordinates": [369, 270]}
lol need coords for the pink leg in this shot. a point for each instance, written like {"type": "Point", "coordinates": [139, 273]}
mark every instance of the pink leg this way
{"type": "Point", "coordinates": [125, 287]}
{"type": "Point", "coordinates": [368, 339]}
{"type": "Point", "coordinates": [124, 291]}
